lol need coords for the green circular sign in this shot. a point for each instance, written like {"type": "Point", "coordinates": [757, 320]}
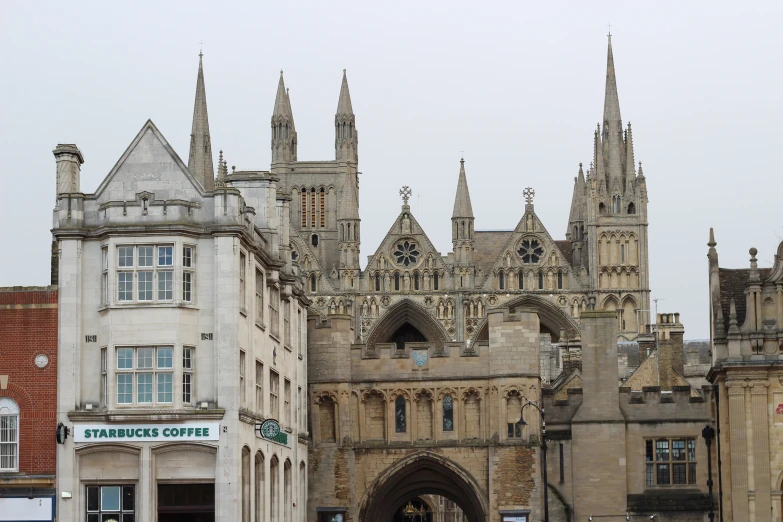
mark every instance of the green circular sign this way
{"type": "Point", "coordinates": [270, 429]}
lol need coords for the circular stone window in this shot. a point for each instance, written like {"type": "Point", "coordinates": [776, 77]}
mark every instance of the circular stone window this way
{"type": "Point", "coordinates": [530, 251]}
{"type": "Point", "coordinates": [406, 253]}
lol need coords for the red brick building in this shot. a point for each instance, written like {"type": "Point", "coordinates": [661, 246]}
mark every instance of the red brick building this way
{"type": "Point", "coordinates": [28, 402]}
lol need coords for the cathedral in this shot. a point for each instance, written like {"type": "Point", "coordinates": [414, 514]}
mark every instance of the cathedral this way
{"type": "Point", "coordinates": [224, 353]}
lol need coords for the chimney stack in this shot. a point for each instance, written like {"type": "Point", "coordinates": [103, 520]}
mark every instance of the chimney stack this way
{"type": "Point", "coordinates": [69, 161]}
{"type": "Point", "coordinates": [670, 358]}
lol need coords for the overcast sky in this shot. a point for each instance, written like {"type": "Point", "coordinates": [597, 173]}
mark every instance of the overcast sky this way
{"type": "Point", "coordinates": [517, 86]}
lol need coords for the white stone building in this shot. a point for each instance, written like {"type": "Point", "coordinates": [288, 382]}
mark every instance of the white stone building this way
{"type": "Point", "coordinates": [182, 326]}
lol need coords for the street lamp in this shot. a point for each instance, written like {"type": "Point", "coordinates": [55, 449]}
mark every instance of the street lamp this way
{"type": "Point", "coordinates": [709, 433]}
{"type": "Point", "coordinates": [540, 409]}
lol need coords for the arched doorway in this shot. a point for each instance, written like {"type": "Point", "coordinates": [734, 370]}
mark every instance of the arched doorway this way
{"type": "Point", "coordinates": [407, 321]}
{"type": "Point", "coordinates": [420, 474]}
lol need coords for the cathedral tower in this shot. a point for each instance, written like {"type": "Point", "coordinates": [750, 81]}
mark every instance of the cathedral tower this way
{"type": "Point", "coordinates": [200, 157]}
{"type": "Point", "coordinates": [462, 221]}
{"type": "Point", "coordinates": [615, 214]}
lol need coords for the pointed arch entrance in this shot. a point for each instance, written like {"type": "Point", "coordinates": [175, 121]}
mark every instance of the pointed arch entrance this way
{"type": "Point", "coordinates": [407, 321]}
{"type": "Point", "coordinates": [419, 474]}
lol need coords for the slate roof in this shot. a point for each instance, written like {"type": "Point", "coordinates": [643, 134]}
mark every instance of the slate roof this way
{"type": "Point", "coordinates": [732, 286]}
{"type": "Point", "coordinates": [488, 245]}
{"type": "Point", "coordinates": [565, 247]}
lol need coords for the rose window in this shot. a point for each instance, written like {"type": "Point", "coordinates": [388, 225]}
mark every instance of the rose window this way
{"type": "Point", "coordinates": [406, 253]}
{"type": "Point", "coordinates": [530, 251]}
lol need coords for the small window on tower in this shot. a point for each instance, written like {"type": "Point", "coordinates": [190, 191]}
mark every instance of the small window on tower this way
{"type": "Point", "coordinates": [377, 282]}
{"type": "Point", "coordinates": [540, 280]}
{"type": "Point", "coordinates": [435, 281]}
{"type": "Point", "coordinates": [314, 240]}
{"type": "Point", "coordinates": [521, 280]}
{"type": "Point", "coordinates": [416, 281]}
{"type": "Point", "coordinates": [396, 281]}
{"type": "Point", "coordinates": [560, 280]}
{"type": "Point", "coordinates": [501, 280]}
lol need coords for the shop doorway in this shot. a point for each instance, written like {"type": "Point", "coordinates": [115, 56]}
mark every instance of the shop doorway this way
{"type": "Point", "coordinates": [186, 503]}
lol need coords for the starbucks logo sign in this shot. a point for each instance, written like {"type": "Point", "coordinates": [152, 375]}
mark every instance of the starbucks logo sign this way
{"type": "Point", "coordinates": [270, 429]}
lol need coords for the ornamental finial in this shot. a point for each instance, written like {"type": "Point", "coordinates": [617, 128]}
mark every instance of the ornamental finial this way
{"type": "Point", "coordinates": [405, 192]}
{"type": "Point", "coordinates": [529, 194]}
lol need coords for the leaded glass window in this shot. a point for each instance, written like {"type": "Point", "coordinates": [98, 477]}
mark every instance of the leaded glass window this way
{"type": "Point", "coordinates": [448, 413]}
{"type": "Point", "coordinates": [670, 462]}
{"type": "Point", "coordinates": [399, 414]}
{"type": "Point", "coordinates": [530, 251]}
{"type": "Point", "coordinates": [406, 253]}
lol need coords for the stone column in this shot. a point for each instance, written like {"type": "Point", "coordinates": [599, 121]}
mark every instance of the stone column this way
{"type": "Point", "coordinates": [361, 419]}
{"type": "Point", "coordinates": [389, 419]}
{"type": "Point", "coordinates": [739, 450]}
{"type": "Point", "coordinates": [780, 305]}
{"type": "Point", "coordinates": [761, 473]}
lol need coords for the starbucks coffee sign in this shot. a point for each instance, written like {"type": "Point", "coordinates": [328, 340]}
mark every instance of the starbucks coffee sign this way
{"type": "Point", "coordinates": [146, 432]}
{"type": "Point", "coordinates": [270, 430]}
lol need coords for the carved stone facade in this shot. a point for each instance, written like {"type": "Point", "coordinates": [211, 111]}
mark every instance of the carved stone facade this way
{"type": "Point", "coordinates": [746, 308]}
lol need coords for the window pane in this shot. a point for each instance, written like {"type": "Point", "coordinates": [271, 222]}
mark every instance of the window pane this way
{"type": "Point", "coordinates": [165, 256]}
{"type": "Point", "coordinates": [691, 473]}
{"type": "Point", "coordinates": [448, 414]}
{"type": "Point", "coordinates": [648, 454]}
{"type": "Point", "coordinates": [125, 388]}
{"type": "Point", "coordinates": [110, 498]}
{"type": "Point", "coordinates": [144, 358]}
{"type": "Point", "coordinates": [125, 286]}
{"type": "Point", "coordinates": [187, 385]}
{"type": "Point", "coordinates": [145, 286]}
{"type": "Point", "coordinates": [399, 415]}
{"type": "Point", "coordinates": [692, 449]}
{"type": "Point", "coordinates": [661, 450]}
{"type": "Point", "coordinates": [187, 286]}
{"type": "Point", "coordinates": [649, 475]}
{"type": "Point", "coordinates": [678, 450]}
{"type": "Point", "coordinates": [144, 384]}
{"type": "Point", "coordinates": [128, 517]}
{"type": "Point", "coordinates": [187, 358]}
{"type": "Point", "coordinates": [165, 357]}
{"type": "Point", "coordinates": [164, 387]}
{"type": "Point", "coordinates": [94, 518]}
{"type": "Point", "coordinates": [679, 474]}
{"type": "Point", "coordinates": [125, 256]}
{"type": "Point", "coordinates": [145, 256]}
{"type": "Point", "coordinates": [128, 498]}
{"type": "Point", "coordinates": [93, 498]}
{"type": "Point", "coordinates": [662, 474]}
{"type": "Point", "coordinates": [187, 257]}
{"type": "Point", "coordinates": [124, 358]}
{"type": "Point", "coordinates": [165, 286]}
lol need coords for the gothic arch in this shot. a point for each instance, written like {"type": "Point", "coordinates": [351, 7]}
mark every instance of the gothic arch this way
{"type": "Point", "coordinates": [407, 311]}
{"type": "Point", "coordinates": [550, 315]}
{"type": "Point", "coordinates": [418, 474]}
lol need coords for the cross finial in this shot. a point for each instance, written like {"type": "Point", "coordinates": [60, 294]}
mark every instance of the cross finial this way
{"type": "Point", "coordinates": [529, 194]}
{"type": "Point", "coordinates": [609, 27]}
{"type": "Point", "coordinates": [405, 192]}
{"type": "Point", "coordinates": [200, 49]}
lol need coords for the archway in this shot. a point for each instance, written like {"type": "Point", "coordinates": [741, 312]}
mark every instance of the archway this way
{"type": "Point", "coordinates": [552, 318]}
{"type": "Point", "coordinates": [406, 311]}
{"type": "Point", "coordinates": [421, 474]}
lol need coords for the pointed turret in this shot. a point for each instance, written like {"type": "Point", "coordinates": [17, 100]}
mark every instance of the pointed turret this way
{"type": "Point", "coordinates": [200, 158]}
{"type": "Point", "coordinates": [462, 221]}
{"type": "Point", "coordinates": [349, 238]}
{"type": "Point", "coordinates": [577, 217]}
{"type": "Point", "coordinates": [630, 163]}
{"type": "Point", "coordinates": [346, 138]}
{"type": "Point", "coordinates": [284, 140]}
{"type": "Point", "coordinates": [462, 206]}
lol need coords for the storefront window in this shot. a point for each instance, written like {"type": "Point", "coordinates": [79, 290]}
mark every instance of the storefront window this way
{"type": "Point", "coordinates": [111, 504]}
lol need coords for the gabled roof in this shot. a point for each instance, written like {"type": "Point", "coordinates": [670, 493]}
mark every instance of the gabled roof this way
{"type": "Point", "coordinates": [425, 246]}
{"type": "Point", "coordinates": [155, 138]}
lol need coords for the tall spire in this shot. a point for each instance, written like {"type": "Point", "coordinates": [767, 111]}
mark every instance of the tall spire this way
{"type": "Point", "coordinates": [613, 146]}
{"type": "Point", "coordinates": [200, 158]}
{"type": "Point", "coordinates": [462, 206]}
{"type": "Point", "coordinates": [284, 140]}
{"type": "Point", "coordinates": [577, 202]}
{"type": "Point", "coordinates": [346, 138]}
{"type": "Point", "coordinates": [344, 104]}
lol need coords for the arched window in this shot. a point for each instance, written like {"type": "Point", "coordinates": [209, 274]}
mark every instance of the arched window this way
{"type": "Point", "coordinates": [560, 280]}
{"type": "Point", "coordinates": [396, 281]}
{"type": "Point", "coordinates": [448, 413]}
{"type": "Point", "coordinates": [631, 208]}
{"type": "Point", "coordinates": [312, 283]}
{"type": "Point", "coordinates": [314, 240]}
{"type": "Point", "coordinates": [415, 280]}
{"type": "Point", "coordinates": [521, 280]}
{"type": "Point", "coordinates": [245, 484]}
{"type": "Point", "coordinates": [9, 435]}
{"type": "Point", "coordinates": [274, 488]}
{"type": "Point", "coordinates": [377, 282]}
{"type": "Point", "coordinates": [399, 414]}
{"type": "Point", "coordinates": [288, 492]}
{"type": "Point", "coordinates": [312, 207]}
{"type": "Point", "coordinates": [622, 253]}
{"type": "Point", "coordinates": [541, 280]}
{"type": "Point", "coordinates": [602, 209]}
{"type": "Point", "coordinates": [435, 281]}
{"type": "Point", "coordinates": [501, 280]}
{"type": "Point", "coordinates": [259, 489]}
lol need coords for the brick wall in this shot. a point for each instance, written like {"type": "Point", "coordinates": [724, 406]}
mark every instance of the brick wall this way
{"type": "Point", "coordinates": [28, 316]}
